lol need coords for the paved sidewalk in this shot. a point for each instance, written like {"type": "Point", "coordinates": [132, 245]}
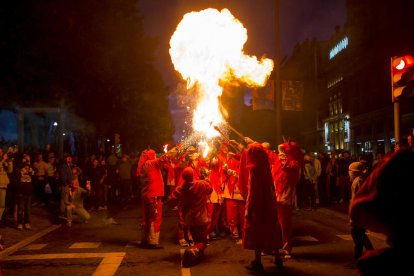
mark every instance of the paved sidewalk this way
{"type": "Point", "coordinates": [41, 219]}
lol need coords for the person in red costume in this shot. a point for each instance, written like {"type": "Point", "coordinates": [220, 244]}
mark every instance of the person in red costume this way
{"type": "Point", "coordinates": [176, 168]}
{"type": "Point", "coordinates": [261, 227]}
{"type": "Point", "coordinates": [149, 169]}
{"type": "Point", "coordinates": [216, 206]}
{"type": "Point", "coordinates": [192, 196]}
{"type": "Point", "coordinates": [286, 172]}
{"type": "Point", "coordinates": [192, 160]}
{"type": "Point", "coordinates": [235, 203]}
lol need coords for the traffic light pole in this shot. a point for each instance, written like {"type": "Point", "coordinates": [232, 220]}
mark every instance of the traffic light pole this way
{"type": "Point", "coordinates": [397, 122]}
{"type": "Point", "coordinates": [396, 109]}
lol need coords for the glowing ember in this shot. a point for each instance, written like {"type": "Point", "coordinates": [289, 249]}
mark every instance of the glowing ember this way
{"type": "Point", "coordinates": [207, 50]}
{"type": "Point", "coordinates": [166, 148]}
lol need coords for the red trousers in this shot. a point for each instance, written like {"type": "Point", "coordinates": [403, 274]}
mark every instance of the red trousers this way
{"type": "Point", "coordinates": [235, 210]}
{"type": "Point", "coordinates": [152, 218]}
{"type": "Point", "coordinates": [199, 233]}
{"type": "Point", "coordinates": [284, 216]}
{"type": "Point", "coordinates": [183, 231]}
{"type": "Point", "coordinates": [215, 212]}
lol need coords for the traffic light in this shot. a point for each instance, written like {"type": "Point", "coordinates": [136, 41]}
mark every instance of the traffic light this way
{"type": "Point", "coordinates": [402, 74]}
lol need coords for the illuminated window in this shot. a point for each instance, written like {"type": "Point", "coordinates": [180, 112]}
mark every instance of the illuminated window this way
{"type": "Point", "coordinates": [338, 47]}
{"type": "Point", "coordinates": [337, 146]}
{"type": "Point", "coordinates": [326, 129]}
{"type": "Point", "coordinates": [368, 146]}
{"type": "Point", "coordinates": [346, 129]}
{"type": "Point", "coordinates": [335, 81]}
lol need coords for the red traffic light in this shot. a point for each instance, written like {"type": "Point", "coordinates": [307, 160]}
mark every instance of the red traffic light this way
{"type": "Point", "coordinates": [402, 63]}
{"type": "Point", "coordinates": [402, 77]}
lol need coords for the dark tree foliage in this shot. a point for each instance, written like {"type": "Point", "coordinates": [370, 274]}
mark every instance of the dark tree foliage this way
{"type": "Point", "coordinates": [91, 54]}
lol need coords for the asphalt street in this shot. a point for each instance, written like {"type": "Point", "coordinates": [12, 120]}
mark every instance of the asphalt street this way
{"type": "Point", "coordinates": [322, 246]}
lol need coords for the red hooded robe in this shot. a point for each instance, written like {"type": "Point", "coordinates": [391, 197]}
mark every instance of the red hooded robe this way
{"type": "Point", "coordinates": [286, 174]}
{"type": "Point", "coordinates": [261, 226]}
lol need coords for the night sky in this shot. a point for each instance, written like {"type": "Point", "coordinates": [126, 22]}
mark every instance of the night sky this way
{"type": "Point", "coordinates": [300, 19]}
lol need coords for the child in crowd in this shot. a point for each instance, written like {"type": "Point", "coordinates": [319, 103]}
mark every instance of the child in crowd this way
{"type": "Point", "coordinates": [358, 174]}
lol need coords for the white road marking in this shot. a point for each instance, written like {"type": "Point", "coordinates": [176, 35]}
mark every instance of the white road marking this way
{"type": "Point", "coordinates": [185, 271]}
{"type": "Point", "coordinates": [305, 238]}
{"type": "Point", "coordinates": [346, 237]}
{"type": "Point", "coordinates": [78, 245]}
{"type": "Point", "coordinates": [108, 266]}
{"type": "Point", "coordinates": [23, 243]}
{"type": "Point", "coordinates": [133, 244]}
{"type": "Point", "coordinates": [378, 236]}
{"type": "Point", "coordinates": [35, 246]}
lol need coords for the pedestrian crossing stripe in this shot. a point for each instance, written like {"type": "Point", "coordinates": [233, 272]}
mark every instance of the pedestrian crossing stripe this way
{"type": "Point", "coordinates": [83, 245]}
{"type": "Point", "coordinates": [184, 270]}
{"type": "Point", "coordinates": [378, 236]}
{"type": "Point", "coordinates": [133, 244]}
{"type": "Point", "coordinates": [93, 245]}
{"type": "Point", "coordinates": [35, 246]}
{"type": "Point", "coordinates": [305, 238]}
{"type": "Point", "coordinates": [10, 250]}
{"type": "Point", "coordinates": [108, 266]}
{"type": "Point", "coordinates": [345, 237]}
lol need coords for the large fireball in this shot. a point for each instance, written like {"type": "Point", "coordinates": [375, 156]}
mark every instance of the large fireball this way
{"type": "Point", "coordinates": [207, 50]}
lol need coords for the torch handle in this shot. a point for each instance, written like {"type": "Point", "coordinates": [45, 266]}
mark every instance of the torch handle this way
{"type": "Point", "coordinates": [226, 138]}
{"type": "Point", "coordinates": [236, 132]}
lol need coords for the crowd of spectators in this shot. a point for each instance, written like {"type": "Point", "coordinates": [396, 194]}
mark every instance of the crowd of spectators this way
{"type": "Point", "coordinates": [66, 186]}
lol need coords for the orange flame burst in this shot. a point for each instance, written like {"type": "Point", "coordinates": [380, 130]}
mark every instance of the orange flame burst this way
{"type": "Point", "coordinates": [207, 50]}
{"type": "Point", "coordinates": [204, 147]}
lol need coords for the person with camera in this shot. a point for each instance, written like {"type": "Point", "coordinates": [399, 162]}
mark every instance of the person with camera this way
{"type": "Point", "coordinates": [74, 196]}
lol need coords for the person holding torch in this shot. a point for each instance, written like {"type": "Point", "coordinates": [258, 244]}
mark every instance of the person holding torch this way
{"type": "Point", "coordinates": [149, 169]}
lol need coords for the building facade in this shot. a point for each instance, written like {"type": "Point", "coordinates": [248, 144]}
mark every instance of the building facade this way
{"type": "Point", "coordinates": [352, 84]}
